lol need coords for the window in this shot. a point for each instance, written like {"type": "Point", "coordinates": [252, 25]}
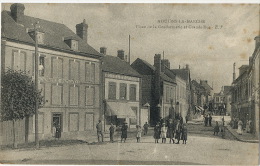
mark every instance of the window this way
{"type": "Point", "coordinates": [41, 66]}
{"type": "Point", "coordinates": [73, 122]}
{"type": "Point", "coordinates": [57, 67]}
{"type": "Point", "coordinates": [74, 70]}
{"type": "Point", "coordinates": [90, 72]}
{"type": "Point", "coordinates": [56, 94]}
{"type": "Point", "coordinates": [74, 45]}
{"type": "Point", "coordinates": [18, 60]}
{"type": "Point", "coordinates": [89, 124]}
{"type": "Point", "coordinates": [123, 89]}
{"type": "Point", "coordinates": [74, 95]}
{"type": "Point", "coordinates": [90, 95]}
{"type": "Point", "coordinates": [112, 90]}
{"type": "Point", "coordinates": [133, 92]}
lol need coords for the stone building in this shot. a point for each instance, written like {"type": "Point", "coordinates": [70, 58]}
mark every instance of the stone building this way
{"type": "Point", "coordinates": [69, 71]}
{"type": "Point", "coordinates": [121, 90]}
{"type": "Point", "coordinates": [158, 89]}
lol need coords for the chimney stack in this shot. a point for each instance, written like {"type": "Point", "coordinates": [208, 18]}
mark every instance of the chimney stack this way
{"type": "Point", "coordinates": [257, 41]}
{"type": "Point", "coordinates": [17, 12]}
{"type": "Point", "coordinates": [187, 67]}
{"type": "Point", "coordinates": [82, 30]}
{"type": "Point", "coordinates": [121, 55]}
{"type": "Point", "coordinates": [103, 50]}
{"type": "Point", "coordinates": [234, 71]}
{"type": "Point", "coordinates": [166, 63]}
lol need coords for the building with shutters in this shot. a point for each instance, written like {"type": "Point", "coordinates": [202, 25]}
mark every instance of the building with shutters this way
{"type": "Point", "coordinates": [69, 71]}
{"type": "Point", "coordinates": [121, 90]}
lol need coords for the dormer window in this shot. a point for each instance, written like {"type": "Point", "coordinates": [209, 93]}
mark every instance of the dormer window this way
{"type": "Point", "coordinates": [40, 36]}
{"type": "Point", "coordinates": [72, 42]}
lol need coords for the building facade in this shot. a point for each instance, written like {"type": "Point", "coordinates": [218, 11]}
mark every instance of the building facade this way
{"type": "Point", "coordinates": [158, 89]}
{"type": "Point", "coordinates": [69, 71]}
{"type": "Point", "coordinates": [121, 91]}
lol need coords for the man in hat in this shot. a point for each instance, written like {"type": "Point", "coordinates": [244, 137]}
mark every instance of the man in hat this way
{"type": "Point", "coordinates": [99, 131]}
{"type": "Point", "coordinates": [124, 132]}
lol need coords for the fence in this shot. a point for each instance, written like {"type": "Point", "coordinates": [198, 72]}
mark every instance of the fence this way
{"type": "Point", "coordinates": [6, 132]}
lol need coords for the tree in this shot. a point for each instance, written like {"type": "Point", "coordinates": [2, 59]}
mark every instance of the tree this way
{"type": "Point", "coordinates": [19, 97]}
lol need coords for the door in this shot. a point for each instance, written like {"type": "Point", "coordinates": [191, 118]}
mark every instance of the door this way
{"type": "Point", "coordinates": [57, 120]}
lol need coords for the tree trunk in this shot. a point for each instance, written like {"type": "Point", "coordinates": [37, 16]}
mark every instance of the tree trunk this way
{"type": "Point", "coordinates": [14, 143]}
{"type": "Point", "coordinates": [26, 129]}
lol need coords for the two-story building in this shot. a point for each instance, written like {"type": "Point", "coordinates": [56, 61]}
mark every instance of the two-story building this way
{"type": "Point", "coordinates": [121, 90]}
{"type": "Point", "coordinates": [69, 71]}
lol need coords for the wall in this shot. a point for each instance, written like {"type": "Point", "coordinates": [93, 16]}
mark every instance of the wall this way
{"type": "Point", "coordinates": [63, 92]}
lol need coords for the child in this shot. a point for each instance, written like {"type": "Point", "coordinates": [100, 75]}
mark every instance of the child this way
{"type": "Point", "coordinates": [184, 133]}
{"type": "Point", "coordinates": [138, 133]}
{"type": "Point", "coordinates": [156, 133]}
{"type": "Point", "coordinates": [163, 133]}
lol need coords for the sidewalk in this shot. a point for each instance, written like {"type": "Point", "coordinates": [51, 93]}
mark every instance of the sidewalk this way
{"type": "Point", "coordinates": [245, 137]}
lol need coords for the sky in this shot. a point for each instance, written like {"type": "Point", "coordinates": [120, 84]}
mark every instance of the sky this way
{"type": "Point", "coordinates": [223, 35]}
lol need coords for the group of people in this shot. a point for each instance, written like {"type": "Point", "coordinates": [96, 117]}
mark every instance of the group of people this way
{"type": "Point", "coordinates": [174, 129]}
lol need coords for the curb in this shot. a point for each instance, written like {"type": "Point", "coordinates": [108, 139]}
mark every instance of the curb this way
{"type": "Point", "coordinates": [239, 139]}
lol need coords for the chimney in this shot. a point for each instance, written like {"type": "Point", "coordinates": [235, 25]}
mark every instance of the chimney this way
{"type": "Point", "coordinates": [187, 66]}
{"type": "Point", "coordinates": [166, 63]}
{"type": "Point", "coordinates": [121, 55]}
{"type": "Point", "coordinates": [234, 71]}
{"type": "Point", "coordinates": [17, 12]}
{"type": "Point", "coordinates": [82, 30]}
{"type": "Point", "coordinates": [179, 66]}
{"type": "Point", "coordinates": [103, 50]}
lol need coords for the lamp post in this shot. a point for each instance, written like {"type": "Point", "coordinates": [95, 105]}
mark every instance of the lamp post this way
{"type": "Point", "coordinates": [36, 84]}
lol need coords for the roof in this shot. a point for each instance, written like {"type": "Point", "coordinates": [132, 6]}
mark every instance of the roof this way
{"type": "Point", "coordinates": [205, 84]}
{"type": "Point", "coordinates": [227, 89]}
{"type": "Point", "coordinates": [139, 65]}
{"type": "Point", "coordinates": [116, 65]}
{"type": "Point", "coordinates": [183, 73]}
{"type": "Point", "coordinates": [196, 84]}
{"type": "Point", "coordinates": [54, 34]}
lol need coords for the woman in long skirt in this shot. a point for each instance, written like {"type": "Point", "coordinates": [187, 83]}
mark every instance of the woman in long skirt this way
{"type": "Point", "coordinates": [240, 129]}
{"type": "Point", "coordinates": [170, 131]}
{"type": "Point", "coordinates": [124, 132]}
{"type": "Point", "coordinates": [138, 133]}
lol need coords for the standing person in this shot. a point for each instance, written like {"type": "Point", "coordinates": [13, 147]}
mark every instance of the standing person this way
{"type": "Point", "coordinates": [156, 133]}
{"type": "Point", "coordinates": [210, 119]}
{"type": "Point", "coordinates": [146, 128]}
{"type": "Point", "coordinates": [178, 131]}
{"type": "Point", "coordinates": [138, 133]}
{"type": "Point", "coordinates": [58, 132]}
{"type": "Point", "coordinates": [111, 132]}
{"type": "Point", "coordinates": [240, 129]}
{"type": "Point", "coordinates": [206, 120]}
{"type": "Point", "coordinates": [184, 133]}
{"type": "Point", "coordinates": [186, 118]}
{"type": "Point", "coordinates": [124, 132]}
{"type": "Point", "coordinates": [99, 131]}
{"type": "Point", "coordinates": [170, 131]}
{"type": "Point", "coordinates": [216, 128]}
{"type": "Point", "coordinates": [163, 133]}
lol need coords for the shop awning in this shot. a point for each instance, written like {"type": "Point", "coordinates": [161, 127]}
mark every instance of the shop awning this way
{"type": "Point", "coordinates": [121, 110]}
{"type": "Point", "coordinates": [199, 108]}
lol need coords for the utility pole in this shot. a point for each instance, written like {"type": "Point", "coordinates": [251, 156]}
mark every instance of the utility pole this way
{"type": "Point", "coordinates": [129, 51]}
{"type": "Point", "coordinates": [36, 84]}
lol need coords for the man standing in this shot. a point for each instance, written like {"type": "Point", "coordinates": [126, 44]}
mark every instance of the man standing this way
{"type": "Point", "coordinates": [99, 131]}
{"type": "Point", "coordinates": [145, 128]}
{"type": "Point", "coordinates": [112, 131]}
{"type": "Point", "coordinates": [210, 119]}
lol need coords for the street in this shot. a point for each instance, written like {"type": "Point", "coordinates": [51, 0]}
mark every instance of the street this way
{"type": "Point", "coordinates": [202, 148]}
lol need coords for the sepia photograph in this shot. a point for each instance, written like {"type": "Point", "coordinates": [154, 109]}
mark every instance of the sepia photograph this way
{"type": "Point", "coordinates": [130, 83]}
